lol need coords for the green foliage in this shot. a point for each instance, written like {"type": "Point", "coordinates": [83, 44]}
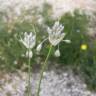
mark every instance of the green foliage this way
{"type": "Point", "coordinates": [82, 61]}
{"type": "Point", "coordinates": [75, 28]}
{"type": "Point", "coordinates": [88, 66]}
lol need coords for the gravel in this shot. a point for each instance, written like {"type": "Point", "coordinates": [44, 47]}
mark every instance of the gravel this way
{"type": "Point", "coordinates": [59, 6]}
{"type": "Point", "coordinates": [54, 83]}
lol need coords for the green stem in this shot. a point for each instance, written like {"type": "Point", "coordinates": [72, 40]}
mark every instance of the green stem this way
{"type": "Point", "coordinates": [29, 74]}
{"type": "Point", "coordinates": [42, 70]}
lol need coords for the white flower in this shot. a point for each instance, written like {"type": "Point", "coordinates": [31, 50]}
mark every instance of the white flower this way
{"type": "Point", "coordinates": [55, 37]}
{"type": "Point", "coordinates": [29, 54]}
{"type": "Point", "coordinates": [29, 40]}
{"type": "Point", "coordinates": [55, 34]}
{"type": "Point", "coordinates": [39, 47]}
{"type": "Point", "coordinates": [57, 53]}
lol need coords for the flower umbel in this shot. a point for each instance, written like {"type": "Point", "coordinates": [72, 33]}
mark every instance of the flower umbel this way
{"type": "Point", "coordinates": [55, 36]}
{"type": "Point", "coordinates": [29, 40]}
{"type": "Point", "coordinates": [55, 33]}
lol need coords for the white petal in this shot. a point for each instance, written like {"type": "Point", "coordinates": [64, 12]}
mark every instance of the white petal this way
{"type": "Point", "coordinates": [57, 53]}
{"type": "Point", "coordinates": [24, 43]}
{"type": "Point", "coordinates": [61, 36]}
{"type": "Point", "coordinates": [60, 29]}
{"type": "Point", "coordinates": [34, 37]}
{"type": "Point", "coordinates": [30, 35]}
{"type": "Point", "coordinates": [32, 44]}
{"type": "Point", "coordinates": [49, 30]}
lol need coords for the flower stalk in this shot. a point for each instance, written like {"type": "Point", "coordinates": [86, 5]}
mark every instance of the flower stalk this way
{"type": "Point", "coordinates": [29, 74]}
{"type": "Point", "coordinates": [42, 71]}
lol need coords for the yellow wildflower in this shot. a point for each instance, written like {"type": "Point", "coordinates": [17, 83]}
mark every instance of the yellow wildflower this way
{"type": "Point", "coordinates": [84, 46]}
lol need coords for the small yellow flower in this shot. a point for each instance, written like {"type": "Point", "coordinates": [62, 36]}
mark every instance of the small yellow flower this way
{"type": "Point", "coordinates": [84, 46]}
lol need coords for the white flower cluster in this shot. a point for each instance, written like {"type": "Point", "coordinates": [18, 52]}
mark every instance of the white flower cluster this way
{"type": "Point", "coordinates": [29, 42]}
{"type": "Point", "coordinates": [55, 33]}
{"type": "Point", "coordinates": [55, 37]}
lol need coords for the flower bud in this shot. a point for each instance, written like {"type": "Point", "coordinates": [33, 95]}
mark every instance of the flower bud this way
{"type": "Point", "coordinates": [29, 54]}
{"type": "Point", "coordinates": [39, 47]}
{"type": "Point", "coordinates": [67, 41]}
{"type": "Point", "coordinates": [57, 53]}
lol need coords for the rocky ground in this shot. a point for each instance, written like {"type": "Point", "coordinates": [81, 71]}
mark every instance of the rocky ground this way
{"type": "Point", "coordinates": [56, 82]}
{"type": "Point", "coordinates": [59, 6]}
